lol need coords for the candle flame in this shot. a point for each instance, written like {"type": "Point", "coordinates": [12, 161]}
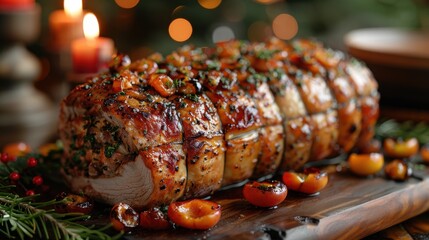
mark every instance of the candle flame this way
{"type": "Point", "coordinates": [73, 8]}
{"type": "Point", "coordinates": [90, 26]}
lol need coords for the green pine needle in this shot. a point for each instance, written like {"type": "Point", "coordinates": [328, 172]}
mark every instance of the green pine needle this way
{"type": "Point", "coordinates": [404, 130]}
{"type": "Point", "coordinates": [20, 218]}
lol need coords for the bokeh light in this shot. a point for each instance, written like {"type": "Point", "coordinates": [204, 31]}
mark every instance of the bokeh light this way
{"type": "Point", "coordinates": [268, 1]}
{"type": "Point", "coordinates": [180, 29]}
{"type": "Point", "coordinates": [127, 3]}
{"type": "Point", "coordinates": [259, 31]}
{"type": "Point", "coordinates": [223, 33]}
{"type": "Point", "coordinates": [209, 4]}
{"type": "Point", "coordinates": [285, 26]}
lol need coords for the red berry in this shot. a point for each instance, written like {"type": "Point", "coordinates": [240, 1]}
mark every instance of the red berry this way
{"type": "Point", "coordinates": [30, 192]}
{"type": "Point", "coordinates": [31, 162]}
{"type": "Point", "coordinates": [14, 176]}
{"type": "Point", "coordinates": [4, 158]}
{"type": "Point", "coordinates": [37, 180]}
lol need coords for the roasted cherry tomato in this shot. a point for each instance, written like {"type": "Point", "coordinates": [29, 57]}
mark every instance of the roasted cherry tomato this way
{"type": "Point", "coordinates": [265, 194]}
{"type": "Point", "coordinates": [424, 153]}
{"type": "Point", "coordinates": [372, 146]}
{"type": "Point", "coordinates": [195, 214]}
{"type": "Point", "coordinates": [154, 218]}
{"type": "Point", "coordinates": [123, 217]}
{"type": "Point", "coordinates": [365, 164]}
{"type": "Point", "coordinates": [401, 148]}
{"type": "Point", "coordinates": [17, 149]}
{"type": "Point", "coordinates": [120, 85]}
{"type": "Point", "coordinates": [398, 170]}
{"type": "Point", "coordinates": [163, 84]}
{"type": "Point", "coordinates": [311, 181]}
{"type": "Point", "coordinates": [73, 203]}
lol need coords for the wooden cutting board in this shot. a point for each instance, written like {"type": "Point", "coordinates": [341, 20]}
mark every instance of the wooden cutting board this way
{"type": "Point", "coordinates": [350, 207]}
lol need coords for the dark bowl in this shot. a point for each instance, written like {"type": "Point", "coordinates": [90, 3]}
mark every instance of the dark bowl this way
{"type": "Point", "coordinates": [399, 60]}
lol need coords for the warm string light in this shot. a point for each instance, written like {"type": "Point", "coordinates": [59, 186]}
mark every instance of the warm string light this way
{"type": "Point", "coordinates": [285, 26]}
{"type": "Point", "coordinates": [180, 29]}
{"type": "Point", "coordinates": [73, 8]}
{"type": "Point", "coordinates": [209, 4]}
{"type": "Point", "coordinates": [268, 1]}
{"type": "Point", "coordinates": [127, 4]}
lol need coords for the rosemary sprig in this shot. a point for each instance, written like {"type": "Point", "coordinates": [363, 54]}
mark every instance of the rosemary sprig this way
{"type": "Point", "coordinates": [404, 130]}
{"type": "Point", "coordinates": [31, 217]}
{"type": "Point", "coordinates": [21, 217]}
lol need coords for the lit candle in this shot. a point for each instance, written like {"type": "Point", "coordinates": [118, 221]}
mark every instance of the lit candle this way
{"type": "Point", "coordinates": [66, 25]}
{"type": "Point", "coordinates": [92, 53]}
{"type": "Point", "coordinates": [16, 4]}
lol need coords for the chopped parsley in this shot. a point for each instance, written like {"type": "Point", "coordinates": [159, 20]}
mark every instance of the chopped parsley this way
{"type": "Point", "coordinates": [109, 150]}
{"type": "Point", "coordinates": [265, 54]}
{"type": "Point", "coordinates": [213, 65]}
{"type": "Point", "coordinates": [178, 83]}
{"type": "Point", "coordinates": [192, 97]}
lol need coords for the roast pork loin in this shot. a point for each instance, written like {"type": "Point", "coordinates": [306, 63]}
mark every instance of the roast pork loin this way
{"type": "Point", "coordinates": [182, 126]}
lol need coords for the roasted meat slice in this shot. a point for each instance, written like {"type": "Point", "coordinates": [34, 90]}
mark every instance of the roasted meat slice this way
{"type": "Point", "coordinates": [110, 135]}
{"type": "Point", "coordinates": [297, 126]}
{"type": "Point", "coordinates": [203, 142]}
{"type": "Point", "coordinates": [154, 177]}
{"type": "Point", "coordinates": [366, 88]}
{"type": "Point", "coordinates": [271, 132]}
{"type": "Point", "coordinates": [349, 113]}
{"type": "Point", "coordinates": [241, 122]}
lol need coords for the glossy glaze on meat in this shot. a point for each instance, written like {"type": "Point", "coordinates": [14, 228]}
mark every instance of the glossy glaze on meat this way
{"type": "Point", "coordinates": [182, 126]}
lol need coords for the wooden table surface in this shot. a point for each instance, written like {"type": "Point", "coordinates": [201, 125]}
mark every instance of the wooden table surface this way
{"type": "Point", "coordinates": [414, 228]}
{"type": "Point", "coordinates": [350, 207]}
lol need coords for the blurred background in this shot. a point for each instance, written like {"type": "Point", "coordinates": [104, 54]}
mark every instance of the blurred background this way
{"type": "Point", "coordinates": [141, 26]}
{"type": "Point", "coordinates": [41, 39]}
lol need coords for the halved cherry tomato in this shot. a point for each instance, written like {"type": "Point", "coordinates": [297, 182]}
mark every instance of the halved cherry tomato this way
{"type": "Point", "coordinates": [73, 203]}
{"type": "Point", "coordinates": [123, 217]}
{"type": "Point", "coordinates": [365, 164]}
{"type": "Point", "coordinates": [121, 84]}
{"type": "Point", "coordinates": [163, 84]}
{"type": "Point", "coordinates": [17, 149]}
{"type": "Point", "coordinates": [398, 170]}
{"type": "Point", "coordinates": [311, 181]}
{"type": "Point", "coordinates": [424, 153]}
{"type": "Point", "coordinates": [401, 148]}
{"type": "Point", "coordinates": [154, 218]}
{"type": "Point", "coordinates": [372, 146]}
{"type": "Point", "coordinates": [265, 194]}
{"type": "Point", "coordinates": [195, 214]}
